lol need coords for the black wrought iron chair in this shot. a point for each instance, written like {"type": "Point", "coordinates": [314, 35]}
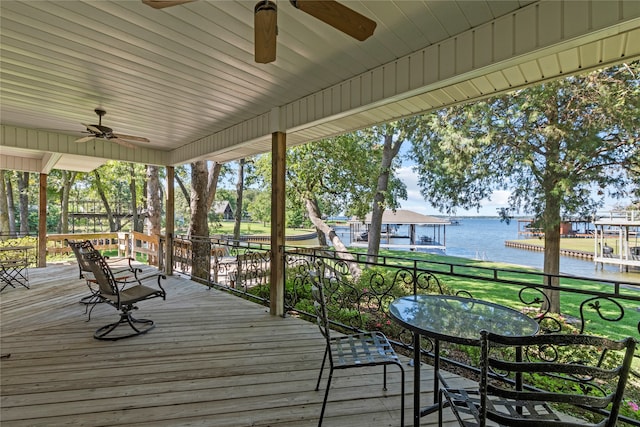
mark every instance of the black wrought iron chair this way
{"type": "Point", "coordinates": [524, 380]}
{"type": "Point", "coordinates": [81, 247]}
{"type": "Point", "coordinates": [352, 351]}
{"type": "Point", "coordinates": [113, 292]}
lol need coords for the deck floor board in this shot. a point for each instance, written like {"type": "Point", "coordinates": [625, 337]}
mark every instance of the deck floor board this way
{"type": "Point", "coordinates": [212, 360]}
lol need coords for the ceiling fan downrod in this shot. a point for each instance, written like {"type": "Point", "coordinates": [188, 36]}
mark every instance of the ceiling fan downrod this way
{"type": "Point", "coordinates": [100, 112]}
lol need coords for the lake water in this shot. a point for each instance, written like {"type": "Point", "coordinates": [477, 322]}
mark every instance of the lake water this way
{"type": "Point", "coordinates": [483, 238]}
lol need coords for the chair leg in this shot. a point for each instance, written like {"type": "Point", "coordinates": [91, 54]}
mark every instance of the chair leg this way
{"type": "Point", "coordinates": [401, 396]}
{"type": "Point", "coordinates": [384, 381]}
{"type": "Point", "coordinates": [90, 301]}
{"type": "Point", "coordinates": [96, 299]}
{"type": "Point", "coordinates": [324, 359]}
{"type": "Point", "coordinates": [125, 317]}
{"type": "Point", "coordinates": [440, 408]}
{"type": "Point", "coordinates": [326, 395]}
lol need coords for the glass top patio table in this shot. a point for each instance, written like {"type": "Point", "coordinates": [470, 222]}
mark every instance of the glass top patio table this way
{"type": "Point", "coordinates": [453, 319]}
{"type": "Point", "coordinates": [458, 319]}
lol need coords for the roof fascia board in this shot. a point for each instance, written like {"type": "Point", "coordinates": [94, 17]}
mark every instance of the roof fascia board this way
{"type": "Point", "coordinates": [50, 142]}
{"type": "Point", "coordinates": [17, 163]}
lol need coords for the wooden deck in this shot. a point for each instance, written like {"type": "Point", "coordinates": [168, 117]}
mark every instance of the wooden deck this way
{"type": "Point", "coordinates": [212, 360]}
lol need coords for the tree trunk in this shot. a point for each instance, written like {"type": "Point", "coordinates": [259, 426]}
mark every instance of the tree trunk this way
{"type": "Point", "coordinates": [4, 207]}
{"type": "Point", "coordinates": [135, 218]}
{"type": "Point", "coordinates": [154, 225]}
{"type": "Point", "coordinates": [239, 193]}
{"type": "Point", "coordinates": [203, 192]}
{"type": "Point", "coordinates": [389, 152]}
{"type": "Point", "coordinates": [153, 200]}
{"type": "Point", "coordinates": [23, 201]}
{"type": "Point", "coordinates": [552, 221]}
{"type": "Point", "coordinates": [11, 206]}
{"type": "Point", "coordinates": [68, 178]}
{"type": "Point", "coordinates": [322, 237]}
{"type": "Point", "coordinates": [183, 190]}
{"type": "Point", "coordinates": [314, 215]}
{"type": "Point", "coordinates": [103, 196]}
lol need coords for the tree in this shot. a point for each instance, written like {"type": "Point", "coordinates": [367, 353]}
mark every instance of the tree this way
{"type": "Point", "coordinates": [137, 224]}
{"type": "Point", "coordinates": [4, 208]}
{"type": "Point", "coordinates": [204, 181]}
{"type": "Point", "coordinates": [123, 195]}
{"type": "Point", "coordinates": [388, 189]}
{"type": "Point", "coordinates": [239, 194]}
{"type": "Point", "coordinates": [549, 144]}
{"type": "Point", "coordinates": [181, 176]}
{"type": "Point", "coordinates": [154, 202]}
{"type": "Point", "coordinates": [100, 188]}
{"type": "Point", "coordinates": [330, 177]}
{"type": "Point", "coordinates": [67, 180]}
{"type": "Point", "coordinates": [11, 206]}
{"type": "Point", "coordinates": [260, 207]}
{"type": "Point", "coordinates": [23, 201]}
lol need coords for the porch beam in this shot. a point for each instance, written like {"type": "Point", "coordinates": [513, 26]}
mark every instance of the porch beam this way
{"type": "Point", "coordinates": [170, 221]}
{"type": "Point", "coordinates": [42, 222]}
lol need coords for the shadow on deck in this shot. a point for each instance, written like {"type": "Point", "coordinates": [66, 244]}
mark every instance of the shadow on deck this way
{"type": "Point", "coordinates": [212, 360]}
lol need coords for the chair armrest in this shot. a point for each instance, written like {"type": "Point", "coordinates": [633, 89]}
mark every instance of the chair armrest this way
{"type": "Point", "coordinates": [125, 276]}
{"type": "Point", "coordinates": [158, 277]}
{"type": "Point", "coordinates": [115, 260]}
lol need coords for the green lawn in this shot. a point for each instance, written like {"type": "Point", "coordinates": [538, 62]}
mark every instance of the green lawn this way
{"type": "Point", "coordinates": [507, 295]}
{"type": "Point", "coordinates": [246, 228]}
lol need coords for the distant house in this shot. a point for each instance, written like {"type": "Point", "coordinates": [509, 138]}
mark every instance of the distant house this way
{"type": "Point", "coordinates": [223, 209]}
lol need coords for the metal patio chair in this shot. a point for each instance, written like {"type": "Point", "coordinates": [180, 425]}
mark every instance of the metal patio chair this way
{"type": "Point", "coordinates": [585, 371]}
{"type": "Point", "coordinates": [123, 296]}
{"type": "Point", "coordinates": [81, 247]}
{"type": "Point", "coordinates": [352, 351]}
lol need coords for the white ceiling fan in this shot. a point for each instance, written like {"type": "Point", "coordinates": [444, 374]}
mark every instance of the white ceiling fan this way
{"type": "Point", "coordinates": [104, 132]}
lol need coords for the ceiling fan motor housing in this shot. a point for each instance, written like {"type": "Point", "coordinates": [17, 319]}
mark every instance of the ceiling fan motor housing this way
{"type": "Point", "coordinates": [98, 129]}
{"type": "Point", "coordinates": [104, 130]}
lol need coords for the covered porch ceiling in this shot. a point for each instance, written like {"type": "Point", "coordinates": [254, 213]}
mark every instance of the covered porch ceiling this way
{"type": "Point", "coordinates": [185, 77]}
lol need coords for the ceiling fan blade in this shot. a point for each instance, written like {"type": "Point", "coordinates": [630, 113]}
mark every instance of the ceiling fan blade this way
{"type": "Point", "coordinates": [122, 142]}
{"type": "Point", "coordinates": [161, 4]}
{"type": "Point", "coordinates": [338, 16]}
{"type": "Point", "coordinates": [85, 138]}
{"type": "Point", "coordinates": [130, 137]}
{"type": "Point", "coordinates": [265, 30]}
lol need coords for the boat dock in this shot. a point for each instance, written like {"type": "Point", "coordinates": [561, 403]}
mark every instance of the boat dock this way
{"type": "Point", "coordinates": [540, 248]}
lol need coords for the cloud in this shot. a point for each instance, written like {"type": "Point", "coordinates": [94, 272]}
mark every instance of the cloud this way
{"type": "Point", "coordinates": [500, 198]}
{"type": "Point", "coordinates": [415, 202]}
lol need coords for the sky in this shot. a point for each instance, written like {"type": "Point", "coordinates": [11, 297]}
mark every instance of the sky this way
{"type": "Point", "coordinates": [499, 199]}
{"type": "Point", "coordinates": [416, 203]}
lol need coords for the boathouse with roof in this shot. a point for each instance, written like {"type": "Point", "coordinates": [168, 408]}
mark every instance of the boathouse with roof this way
{"type": "Point", "coordinates": [392, 237]}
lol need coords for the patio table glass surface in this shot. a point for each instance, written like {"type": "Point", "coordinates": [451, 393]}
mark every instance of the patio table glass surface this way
{"type": "Point", "coordinates": [453, 319]}
{"type": "Point", "coordinates": [459, 319]}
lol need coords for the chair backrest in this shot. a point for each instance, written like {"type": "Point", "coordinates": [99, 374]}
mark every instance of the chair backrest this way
{"type": "Point", "coordinates": [578, 370]}
{"type": "Point", "coordinates": [101, 272]}
{"type": "Point", "coordinates": [320, 305]}
{"type": "Point", "coordinates": [79, 248]}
